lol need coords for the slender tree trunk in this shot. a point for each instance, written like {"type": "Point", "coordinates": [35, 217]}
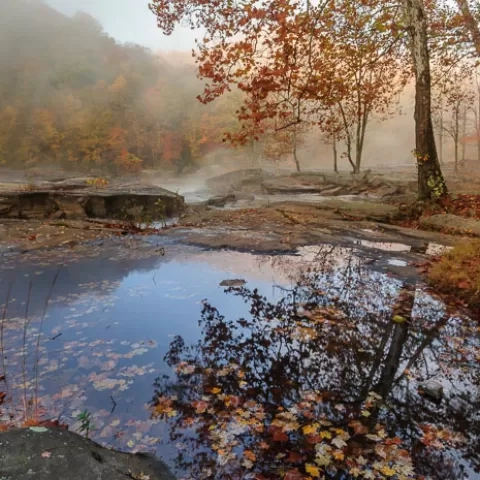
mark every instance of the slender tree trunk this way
{"type": "Point", "coordinates": [361, 138]}
{"type": "Point", "coordinates": [295, 157]}
{"type": "Point", "coordinates": [348, 138]}
{"type": "Point", "coordinates": [431, 184]}
{"type": "Point", "coordinates": [464, 134]}
{"type": "Point", "coordinates": [456, 134]}
{"type": "Point", "coordinates": [440, 136]}
{"type": "Point", "coordinates": [470, 23]}
{"type": "Point", "coordinates": [456, 152]}
{"type": "Point", "coordinates": [335, 154]}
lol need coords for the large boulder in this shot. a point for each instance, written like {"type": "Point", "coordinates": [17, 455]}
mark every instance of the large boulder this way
{"type": "Point", "coordinates": [55, 454]}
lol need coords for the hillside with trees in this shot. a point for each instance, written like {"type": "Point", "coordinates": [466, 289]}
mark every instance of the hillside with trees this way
{"type": "Point", "coordinates": [72, 97]}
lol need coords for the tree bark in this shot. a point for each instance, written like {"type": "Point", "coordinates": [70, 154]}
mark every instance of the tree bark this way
{"type": "Point", "coordinates": [470, 24]}
{"type": "Point", "coordinates": [431, 184]}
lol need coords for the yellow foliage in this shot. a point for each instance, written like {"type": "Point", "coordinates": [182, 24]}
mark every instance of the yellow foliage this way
{"type": "Point", "coordinates": [312, 470]}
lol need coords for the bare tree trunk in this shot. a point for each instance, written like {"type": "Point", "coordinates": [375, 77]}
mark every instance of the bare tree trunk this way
{"type": "Point", "coordinates": [295, 157]}
{"type": "Point", "coordinates": [361, 137]}
{"type": "Point", "coordinates": [464, 134]}
{"type": "Point", "coordinates": [348, 138]}
{"type": "Point", "coordinates": [335, 154]}
{"type": "Point", "coordinates": [456, 133]}
{"type": "Point", "coordinates": [441, 135]}
{"type": "Point", "coordinates": [455, 140]}
{"type": "Point", "coordinates": [470, 23]}
{"type": "Point", "coordinates": [431, 184]}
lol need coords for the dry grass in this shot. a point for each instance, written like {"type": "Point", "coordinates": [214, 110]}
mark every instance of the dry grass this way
{"type": "Point", "coordinates": [458, 272]}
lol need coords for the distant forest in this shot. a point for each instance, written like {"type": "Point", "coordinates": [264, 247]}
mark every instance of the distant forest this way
{"type": "Point", "coordinates": [73, 97]}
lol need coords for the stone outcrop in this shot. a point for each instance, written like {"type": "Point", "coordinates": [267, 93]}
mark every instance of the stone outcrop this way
{"type": "Point", "coordinates": [142, 204]}
{"type": "Point", "coordinates": [55, 454]}
{"type": "Point", "coordinates": [323, 184]}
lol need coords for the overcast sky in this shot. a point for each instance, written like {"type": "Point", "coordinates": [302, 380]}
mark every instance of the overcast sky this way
{"type": "Point", "coordinates": [128, 21]}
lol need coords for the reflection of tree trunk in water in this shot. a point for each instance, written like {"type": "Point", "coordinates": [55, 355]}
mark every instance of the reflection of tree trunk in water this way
{"type": "Point", "coordinates": [392, 361]}
{"type": "Point", "coordinates": [401, 318]}
{"type": "Point", "coordinates": [397, 333]}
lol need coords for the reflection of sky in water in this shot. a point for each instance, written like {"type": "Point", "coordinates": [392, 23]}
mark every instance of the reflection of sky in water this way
{"type": "Point", "coordinates": [110, 323]}
{"type": "Point", "coordinates": [108, 326]}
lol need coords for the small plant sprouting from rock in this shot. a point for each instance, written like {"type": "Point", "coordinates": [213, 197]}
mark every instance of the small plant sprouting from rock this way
{"type": "Point", "coordinates": [86, 425]}
{"type": "Point", "coordinates": [98, 182]}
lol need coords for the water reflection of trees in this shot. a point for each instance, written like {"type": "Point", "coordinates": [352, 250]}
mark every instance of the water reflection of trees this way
{"type": "Point", "coordinates": [342, 351]}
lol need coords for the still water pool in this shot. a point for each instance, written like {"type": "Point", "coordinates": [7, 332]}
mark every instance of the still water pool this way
{"type": "Point", "coordinates": [91, 333]}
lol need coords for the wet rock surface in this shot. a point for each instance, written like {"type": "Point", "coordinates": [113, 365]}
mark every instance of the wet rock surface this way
{"type": "Point", "coordinates": [452, 224]}
{"type": "Point", "coordinates": [235, 282]}
{"type": "Point", "coordinates": [432, 389]}
{"type": "Point", "coordinates": [57, 454]}
{"type": "Point", "coordinates": [365, 210]}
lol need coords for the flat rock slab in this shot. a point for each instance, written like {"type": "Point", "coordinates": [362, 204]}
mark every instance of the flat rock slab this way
{"type": "Point", "coordinates": [380, 212]}
{"type": "Point", "coordinates": [452, 224]}
{"type": "Point", "coordinates": [56, 454]}
{"type": "Point", "coordinates": [141, 204]}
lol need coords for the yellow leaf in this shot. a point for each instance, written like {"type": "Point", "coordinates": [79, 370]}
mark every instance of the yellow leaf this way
{"type": "Point", "coordinates": [365, 413]}
{"type": "Point", "coordinates": [399, 319]}
{"type": "Point", "coordinates": [338, 455]}
{"type": "Point", "coordinates": [325, 434]}
{"type": "Point", "coordinates": [216, 390]}
{"type": "Point", "coordinates": [309, 430]}
{"type": "Point", "coordinates": [312, 470]}
{"type": "Point", "coordinates": [387, 471]}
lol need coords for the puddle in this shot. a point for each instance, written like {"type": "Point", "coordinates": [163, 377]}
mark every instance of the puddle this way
{"type": "Point", "coordinates": [110, 321]}
{"type": "Point", "coordinates": [396, 262]}
{"type": "Point", "coordinates": [385, 246]}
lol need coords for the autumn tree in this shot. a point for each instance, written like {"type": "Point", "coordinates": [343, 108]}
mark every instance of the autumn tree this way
{"type": "Point", "coordinates": [298, 52]}
{"type": "Point", "coordinates": [371, 69]}
{"type": "Point", "coordinates": [452, 100]}
{"type": "Point", "coordinates": [431, 184]}
{"type": "Point", "coordinates": [470, 23]}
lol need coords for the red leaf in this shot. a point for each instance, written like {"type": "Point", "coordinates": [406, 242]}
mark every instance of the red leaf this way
{"type": "Point", "coordinates": [294, 474]}
{"type": "Point", "coordinates": [278, 434]}
{"type": "Point", "coordinates": [294, 457]}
